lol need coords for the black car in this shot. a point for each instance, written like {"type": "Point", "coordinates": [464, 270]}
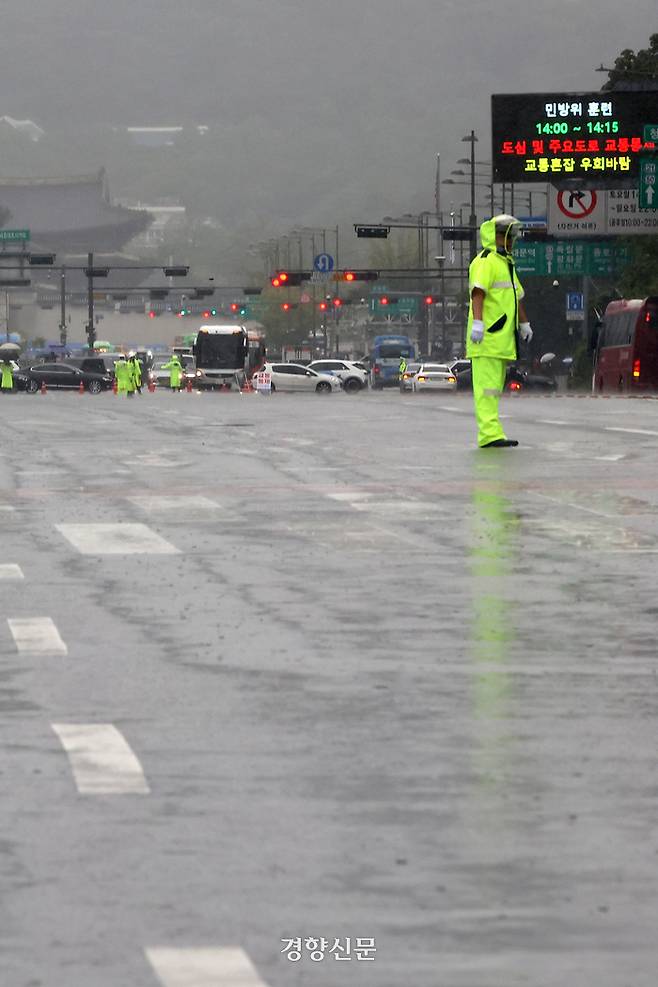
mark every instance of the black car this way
{"type": "Point", "coordinates": [515, 380]}
{"type": "Point", "coordinates": [103, 364]}
{"type": "Point", "coordinates": [64, 375]}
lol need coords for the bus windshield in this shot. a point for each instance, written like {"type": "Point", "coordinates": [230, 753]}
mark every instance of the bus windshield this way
{"type": "Point", "coordinates": [220, 351]}
{"type": "Point", "coordinates": [393, 351]}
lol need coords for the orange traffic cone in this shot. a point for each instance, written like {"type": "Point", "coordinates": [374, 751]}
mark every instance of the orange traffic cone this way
{"type": "Point", "coordinates": [81, 388]}
{"type": "Point", "coordinates": [151, 386]}
{"type": "Point", "coordinates": [115, 386]}
{"type": "Point", "coordinates": [44, 389]}
{"type": "Point", "coordinates": [188, 385]}
{"type": "Point", "coordinates": [247, 387]}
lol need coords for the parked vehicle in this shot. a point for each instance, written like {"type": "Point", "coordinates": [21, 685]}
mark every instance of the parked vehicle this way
{"type": "Point", "coordinates": [296, 377]}
{"type": "Point", "coordinates": [515, 380]}
{"type": "Point", "coordinates": [352, 377]}
{"type": "Point", "coordinates": [64, 375]}
{"type": "Point", "coordinates": [626, 354]}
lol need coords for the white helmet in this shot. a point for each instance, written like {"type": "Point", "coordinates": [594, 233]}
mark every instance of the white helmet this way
{"type": "Point", "coordinates": [509, 225]}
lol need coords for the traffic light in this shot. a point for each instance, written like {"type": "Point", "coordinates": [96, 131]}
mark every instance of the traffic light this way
{"type": "Point", "coordinates": [213, 311]}
{"type": "Point", "coordinates": [360, 275]}
{"type": "Point", "coordinates": [429, 300]}
{"type": "Point", "coordinates": [243, 310]}
{"type": "Point", "coordinates": [322, 306]}
{"type": "Point", "coordinates": [290, 279]}
{"type": "Point", "coordinates": [234, 306]}
{"type": "Point", "coordinates": [337, 302]}
{"type": "Point", "coordinates": [383, 300]}
{"type": "Point", "coordinates": [152, 314]}
{"type": "Point", "coordinates": [287, 306]}
{"type": "Point", "coordinates": [206, 314]}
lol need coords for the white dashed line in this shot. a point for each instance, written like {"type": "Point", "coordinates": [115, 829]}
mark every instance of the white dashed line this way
{"type": "Point", "coordinates": [612, 459]}
{"type": "Point", "coordinates": [634, 431]}
{"type": "Point", "coordinates": [116, 539]}
{"type": "Point", "coordinates": [349, 496]}
{"type": "Point", "coordinates": [220, 967]}
{"type": "Point", "coordinates": [101, 759]}
{"type": "Point", "coordinates": [551, 421]}
{"type": "Point", "coordinates": [183, 503]}
{"type": "Point", "coordinates": [11, 571]}
{"type": "Point", "coordinates": [36, 635]}
{"type": "Point", "coordinates": [8, 508]}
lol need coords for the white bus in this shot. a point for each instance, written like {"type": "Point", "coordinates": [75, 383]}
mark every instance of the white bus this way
{"type": "Point", "coordinates": [220, 355]}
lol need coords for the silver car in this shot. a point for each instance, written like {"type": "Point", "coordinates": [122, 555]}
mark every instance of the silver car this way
{"type": "Point", "coordinates": [433, 377]}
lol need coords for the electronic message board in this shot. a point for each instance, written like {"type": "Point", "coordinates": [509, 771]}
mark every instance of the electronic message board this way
{"type": "Point", "coordinates": [585, 140]}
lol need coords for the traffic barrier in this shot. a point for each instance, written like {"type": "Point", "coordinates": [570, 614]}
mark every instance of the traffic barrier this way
{"type": "Point", "coordinates": [44, 389]}
{"type": "Point", "coordinates": [81, 389]}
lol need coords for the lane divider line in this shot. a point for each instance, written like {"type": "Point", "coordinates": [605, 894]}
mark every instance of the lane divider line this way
{"type": "Point", "coordinates": [634, 431]}
{"type": "Point", "coordinates": [219, 967]}
{"type": "Point", "coordinates": [36, 635]}
{"type": "Point", "coordinates": [116, 539]}
{"type": "Point", "coordinates": [10, 570]}
{"type": "Point", "coordinates": [101, 759]}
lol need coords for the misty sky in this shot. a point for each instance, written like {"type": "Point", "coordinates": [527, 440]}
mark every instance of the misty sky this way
{"type": "Point", "coordinates": [355, 97]}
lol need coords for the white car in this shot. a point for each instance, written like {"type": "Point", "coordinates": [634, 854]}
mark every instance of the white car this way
{"type": "Point", "coordinates": [433, 377]}
{"type": "Point", "coordinates": [297, 377]}
{"type": "Point", "coordinates": [352, 376]}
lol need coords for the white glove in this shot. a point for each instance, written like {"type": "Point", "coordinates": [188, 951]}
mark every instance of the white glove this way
{"type": "Point", "coordinates": [477, 331]}
{"type": "Point", "coordinates": [525, 332]}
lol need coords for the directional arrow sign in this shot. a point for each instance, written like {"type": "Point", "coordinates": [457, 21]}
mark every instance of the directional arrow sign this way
{"type": "Point", "coordinates": [649, 184]}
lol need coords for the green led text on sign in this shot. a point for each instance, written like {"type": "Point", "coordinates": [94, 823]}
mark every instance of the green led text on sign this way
{"type": "Point", "coordinates": [14, 235]}
{"type": "Point", "coordinates": [596, 138]}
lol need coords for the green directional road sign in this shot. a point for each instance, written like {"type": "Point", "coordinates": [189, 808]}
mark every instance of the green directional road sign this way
{"type": "Point", "coordinates": [651, 133]}
{"type": "Point", "coordinates": [14, 235]}
{"type": "Point", "coordinates": [569, 257]}
{"type": "Point", "coordinates": [648, 195]}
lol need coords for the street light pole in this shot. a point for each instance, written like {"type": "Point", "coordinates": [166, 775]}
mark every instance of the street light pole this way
{"type": "Point", "coordinates": [91, 332]}
{"type": "Point", "coordinates": [472, 221]}
{"type": "Point", "coordinates": [62, 305]}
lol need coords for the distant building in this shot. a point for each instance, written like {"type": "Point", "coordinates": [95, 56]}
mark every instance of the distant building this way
{"type": "Point", "coordinates": [70, 215]}
{"type": "Point", "coordinates": [165, 218]}
{"type": "Point", "coordinates": [161, 136]}
{"type": "Point", "coordinates": [26, 127]}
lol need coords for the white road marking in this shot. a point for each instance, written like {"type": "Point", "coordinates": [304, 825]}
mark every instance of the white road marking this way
{"type": "Point", "coordinates": [101, 759]}
{"type": "Point", "coordinates": [394, 506]}
{"type": "Point", "coordinates": [227, 966]}
{"type": "Point", "coordinates": [551, 421]}
{"type": "Point", "coordinates": [7, 507]}
{"type": "Point", "coordinates": [350, 496]}
{"type": "Point", "coordinates": [36, 635]}
{"type": "Point", "coordinates": [182, 503]}
{"type": "Point", "coordinates": [612, 459]}
{"type": "Point", "coordinates": [634, 431]}
{"type": "Point", "coordinates": [11, 571]}
{"type": "Point", "coordinates": [116, 539]}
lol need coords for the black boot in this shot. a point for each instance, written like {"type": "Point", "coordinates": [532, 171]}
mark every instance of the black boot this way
{"type": "Point", "coordinates": [500, 443]}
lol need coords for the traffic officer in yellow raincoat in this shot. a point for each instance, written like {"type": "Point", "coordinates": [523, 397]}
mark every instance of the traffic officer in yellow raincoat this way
{"type": "Point", "coordinates": [7, 383]}
{"type": "Point", "coordinates": [175, 368]}
{"type": "Point", "coordinates": [496, 315]}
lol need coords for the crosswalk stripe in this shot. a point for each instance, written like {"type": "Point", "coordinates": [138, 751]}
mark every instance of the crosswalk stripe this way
{"type": "Point", "coordinates": [182, 503]}
{"type": "Point", "coordinates": [227, 966]}
{"type": "Point", "coordinates": [116, 539]}
{"type": "Point", "coordinates": [10, 570]}
{"type": "Point", "coordinates": [36, 635]}
{"type": "Point", "coordinates": [102, 761]}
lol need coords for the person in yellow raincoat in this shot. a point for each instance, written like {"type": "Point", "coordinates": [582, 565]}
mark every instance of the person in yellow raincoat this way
{"type": "Point", "coordinates": [175, 368]}
{"type": "Point", "coordinates": [496, 315]}
{"type": "Point", "coordinates": [7, 383]}
{"type": "Point", "coordinates": [121, 373]}
{"type": "Point", "coordinates": [136, 371]}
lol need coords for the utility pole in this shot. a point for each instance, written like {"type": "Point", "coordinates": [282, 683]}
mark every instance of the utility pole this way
{"type": "Point", "coordinates": [91, 331]}
{"type": "Point", "coordinates": [62, 306]}
{"type": "Point", "coordinates": [472, 220]}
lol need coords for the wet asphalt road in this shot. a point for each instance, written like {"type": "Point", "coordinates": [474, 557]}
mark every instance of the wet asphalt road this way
{"type": "Point", "coordinates": [378, 683]}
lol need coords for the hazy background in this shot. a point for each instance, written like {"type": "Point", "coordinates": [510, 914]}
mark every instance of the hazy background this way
{"type": "Point", "coordinates": [318, 112]}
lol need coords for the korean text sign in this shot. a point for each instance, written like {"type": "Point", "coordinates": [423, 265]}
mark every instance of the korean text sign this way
{"type": "Point", "coordinates": [594, 138]}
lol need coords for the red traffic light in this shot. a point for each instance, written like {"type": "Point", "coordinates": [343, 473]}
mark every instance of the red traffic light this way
{"type": "Point", "coordinates": [283, 276]}
{"type": "Point", "coordinates": [322, 306]}
{"type": "Point", "coordinates": [337, 302]}
{"type": "Point", "coordinates": [206, 314]}
{"type": "Point", "coordinates": [285, 306]}
{"type": "Point", "coordinates": [151, 314]}
{"type": "Point", "coordinates": [234, 306]}
{"type": "Point", "coordinates": [350, 276]}
{"type": "Point", "coordinates": [429, 300]}
{"type": "Point", "coordinates": [383, 300]}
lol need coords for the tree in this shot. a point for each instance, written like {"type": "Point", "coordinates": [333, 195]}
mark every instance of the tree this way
{"type": "Point", "coordinates": [637, 67]}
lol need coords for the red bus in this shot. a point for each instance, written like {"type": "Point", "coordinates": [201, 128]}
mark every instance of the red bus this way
{"type": "Point", "coordinates": [627, 347]}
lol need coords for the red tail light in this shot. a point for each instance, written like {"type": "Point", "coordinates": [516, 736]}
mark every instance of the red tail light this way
{"type": "Point", "coordinates": [376, 370]}
{"type": "Point", "coordinates": [636, 368]}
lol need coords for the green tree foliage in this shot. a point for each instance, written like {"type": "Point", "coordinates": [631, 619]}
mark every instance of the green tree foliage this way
{"type": "Point", "coordinates": [641, 65]}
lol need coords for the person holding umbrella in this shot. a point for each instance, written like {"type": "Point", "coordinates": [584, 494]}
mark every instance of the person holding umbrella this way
{"type": "Point", "coordinates": [8, 352]}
